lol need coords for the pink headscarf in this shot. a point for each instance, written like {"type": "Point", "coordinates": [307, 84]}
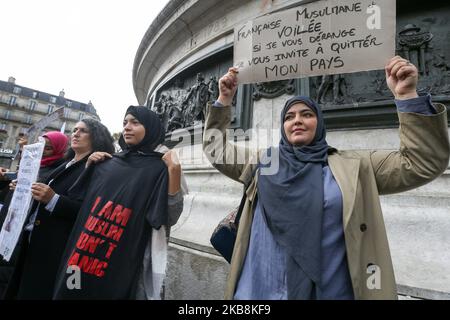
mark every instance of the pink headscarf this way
{"type": "Point", "coordinates": [59, 142]}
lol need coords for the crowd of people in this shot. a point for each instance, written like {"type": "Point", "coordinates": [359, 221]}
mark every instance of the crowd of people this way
{"type": "Point", "coordinates": [309, 230]}
{"type": "Point", "coordinates": [144, 179]}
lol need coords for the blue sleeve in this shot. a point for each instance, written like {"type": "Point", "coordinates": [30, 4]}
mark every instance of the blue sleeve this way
{"type": "Point", "coordinates": [217, 104]}
{"type": "Point", "coordinates": [421, 104]}
{"type": "Point", "coordinates": [52, 203]}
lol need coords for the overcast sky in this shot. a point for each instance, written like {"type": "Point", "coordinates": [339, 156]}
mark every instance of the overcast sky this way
{"type": "Point", "coordinates": [85, 47]}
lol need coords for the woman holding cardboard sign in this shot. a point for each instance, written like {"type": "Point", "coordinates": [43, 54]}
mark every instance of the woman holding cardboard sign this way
{"type": "Point", "coordinates": [313, 228]}
{"type": "Point", "coordinates": [53, 214]}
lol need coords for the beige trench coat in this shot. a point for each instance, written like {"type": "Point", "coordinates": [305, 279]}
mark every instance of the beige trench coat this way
{"type": "Point", "coordinates": [362, 176]}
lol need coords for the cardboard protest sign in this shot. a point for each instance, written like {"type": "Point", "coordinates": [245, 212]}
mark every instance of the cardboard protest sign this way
{"type": "Point", "coordinates": [21, 200]}
{"type": "Point", "coordinates": [318, 38]}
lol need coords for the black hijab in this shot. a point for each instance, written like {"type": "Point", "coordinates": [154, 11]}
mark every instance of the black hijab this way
{"type": "Point", "coordinates": [292, 204]}
{"type": "Point", "coordinates": [154, 132]}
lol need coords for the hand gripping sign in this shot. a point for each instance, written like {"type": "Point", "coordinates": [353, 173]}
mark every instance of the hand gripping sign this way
{"type": "Point", "coordinates": [318, 38]}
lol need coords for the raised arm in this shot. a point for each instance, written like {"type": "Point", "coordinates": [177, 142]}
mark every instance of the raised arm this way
{"type": "Point", "coordinates": [175, 199]}
{"type": "Point", "coordinates": [424, 142]}
{"type": "Point", "coordinates": [229, 159]}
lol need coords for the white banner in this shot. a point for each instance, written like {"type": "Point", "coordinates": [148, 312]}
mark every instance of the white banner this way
{"type": "Point", "coordinates": [319, 38]}
{"type": "Point", "coordinates": [21, 200]}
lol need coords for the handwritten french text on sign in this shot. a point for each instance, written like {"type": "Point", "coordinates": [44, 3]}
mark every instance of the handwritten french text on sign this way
{"type": "Point", "coordinates": [21, 200]}
{"type": "Point", "coordinates": [323, 37]}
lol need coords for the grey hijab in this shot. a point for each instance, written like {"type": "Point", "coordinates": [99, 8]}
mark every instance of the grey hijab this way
{"type": "Point", "coordinates": [292, 203]}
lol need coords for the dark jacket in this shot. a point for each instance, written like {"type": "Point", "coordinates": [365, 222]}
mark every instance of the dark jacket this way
{"type": "Point", "coordinates": [7, 268]}
{"type": "Point", "coordinates": [34, 274]}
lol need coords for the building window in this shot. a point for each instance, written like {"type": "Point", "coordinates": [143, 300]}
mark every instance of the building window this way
{"type": "Point", "coordinates": [28, 119]}
{"type": "Point", "coordinates": [80, 116]}
{"type": "Point", "coordinates": [32, 105]}
{"type": "Point", "coordinates": [3, 126]}
{"type": "Point", "coordinates": [12, 100]}
{"type": "Point", "coordinates": [50, 108]}
{"type": "Point", "coordinates": [52, 99]}
{"type": "Point", "coordinates": [7, 114]}
{"type": "Point", "coordinates": [35, 95]}
{"type": "Point", "coordinates": [17, 90]}
{"type": "Point", "coordinates": [66, 113]}
{"type": "Point", "coordinates": [69, 103]}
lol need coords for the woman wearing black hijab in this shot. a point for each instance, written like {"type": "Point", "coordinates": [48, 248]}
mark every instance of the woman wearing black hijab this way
{"type": "Point", "coordinates": [312, 226]}
{"type": "Point", "coordinates": [124, 209]}
{"type": "Point", "coordinates": [52, 216]}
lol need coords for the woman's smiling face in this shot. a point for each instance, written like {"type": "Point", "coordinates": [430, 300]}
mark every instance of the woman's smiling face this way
{"type": "Point", "coordinates": [300, 124]}
{"type": "Point", "coordinates": [133, 131]}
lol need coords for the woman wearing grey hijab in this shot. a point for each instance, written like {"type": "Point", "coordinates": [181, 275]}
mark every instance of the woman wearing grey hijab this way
{"type": "Point", "coordinates": [313, 228]}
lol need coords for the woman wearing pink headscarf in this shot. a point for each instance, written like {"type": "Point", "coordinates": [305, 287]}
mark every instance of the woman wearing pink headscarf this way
{"type": "Point", "coordinates": [54, 150]}
{"type": "Point", "coordinates": [53, 156]}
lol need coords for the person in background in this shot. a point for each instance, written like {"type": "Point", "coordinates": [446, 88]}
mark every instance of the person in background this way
{"type": "Point", "coordinates": [136, 180]}
{"type": "Point", "coordinates": [53, 215]}
{"type": "Point", "coordinates": [56, 144]}
{"type": "Point", "coordinates": [52, 157]}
